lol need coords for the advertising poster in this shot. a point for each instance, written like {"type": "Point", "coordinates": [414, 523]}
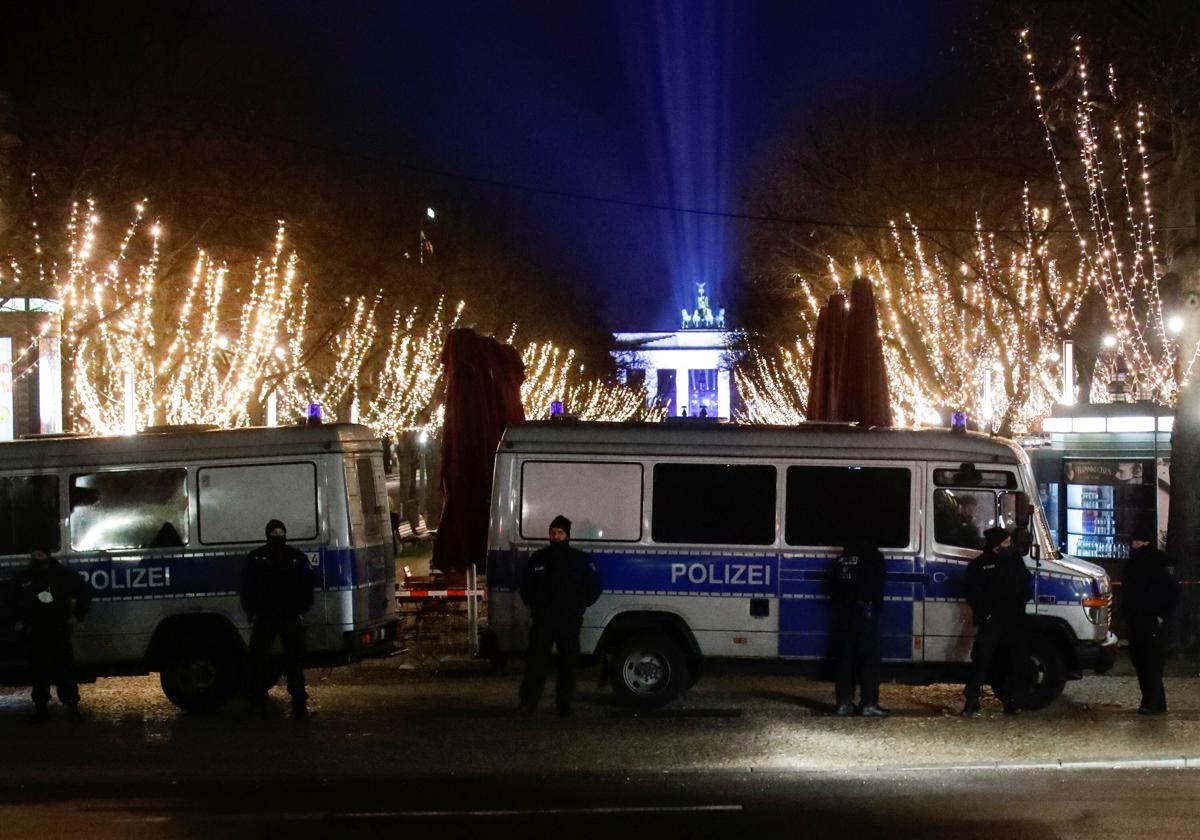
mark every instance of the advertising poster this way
{"type": "Point", "coordinates": [6, 389]}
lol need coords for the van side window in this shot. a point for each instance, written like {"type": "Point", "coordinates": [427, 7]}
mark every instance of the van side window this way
{"type": "Point", "coordinates": [29, 513]}
{"type": "Point", "coordinates": [828, 506]}
{"type": "Point", "coordinates": [369, 497]}
{"type": "Point", "coordinates": [602, 500]}
{"type": "Point", "coordinates": [961, 516]}
{"type": "Point", "coordinates": [129, 509]}
{"type": "Point", "coordinates": [236, 502]}
{"type": "Point", "coordinates": [714, 504]}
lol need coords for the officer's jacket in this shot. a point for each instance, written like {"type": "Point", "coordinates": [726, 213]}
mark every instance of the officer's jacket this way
{"type": "Point", "coordinates": [858, 578]}
{"type": "Point", "coordinates": [1148, 585]}
{"type": "Point", "coordinates": [44, 595]}
{"type": "Point", "coordinates": [998, 586]}
{"type": "Point", "coordinates": [277, 581]}
{"type": "Point", "coordinates": [559, 582]}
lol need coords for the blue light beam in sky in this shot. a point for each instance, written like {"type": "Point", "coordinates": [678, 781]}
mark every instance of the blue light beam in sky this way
{"type": "Point", "coordinates": [687, 60]}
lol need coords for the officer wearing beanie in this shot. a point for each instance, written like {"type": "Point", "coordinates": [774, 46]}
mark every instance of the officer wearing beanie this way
{"type": "Point", "coordinates": [1149, 593]}
{"type": "Point", "coordinates": [998, 586]}
{"type": "Point", "coordinates": [277, 590]}
{"type": "Point", "coordinates": [557, 585]}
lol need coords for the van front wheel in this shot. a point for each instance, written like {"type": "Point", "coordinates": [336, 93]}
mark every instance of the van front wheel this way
{"type": "Point", "coordinates": [1046, 673]}
{"type": "Point", "coordinates": [648, 670]}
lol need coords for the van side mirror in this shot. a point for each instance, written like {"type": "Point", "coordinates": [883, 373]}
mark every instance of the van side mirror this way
{"type": "Point", "coordinates": [1035, 551]}
{"type": "Point", "coordinates": [1023, 510]}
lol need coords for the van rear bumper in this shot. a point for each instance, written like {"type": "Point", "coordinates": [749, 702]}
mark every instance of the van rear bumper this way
{"type": "Point", "coordinates": [1097, 656]}
{"type": "Point", "coordinates": [373, 642]}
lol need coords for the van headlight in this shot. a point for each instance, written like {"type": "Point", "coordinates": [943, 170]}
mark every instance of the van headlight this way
{"type": "Point", "coordinates": [1097, 608]}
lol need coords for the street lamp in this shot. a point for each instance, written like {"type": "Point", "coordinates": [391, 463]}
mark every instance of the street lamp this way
{"type": "Point", "coordinates": [1175, 324]}
{"type": "Point", "coordinates": [424, 245]}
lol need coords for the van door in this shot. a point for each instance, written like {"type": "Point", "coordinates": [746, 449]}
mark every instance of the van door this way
{"type": "Point", "coordinates": [830, 505]}
{"type": "Point", "coordinates": [29, 519]}
{"type": "Point", "coordinates": [962, 505]}
{"type": "Point", "coordinates": [374, 570]}
{"type": "Point", "coordinates": [128, 531]}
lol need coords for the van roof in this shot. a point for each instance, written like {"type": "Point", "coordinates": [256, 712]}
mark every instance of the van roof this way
{"type": "Point", "coordinates": [184, 444]}
{"type": "Point", "coordinates": [802, 440]}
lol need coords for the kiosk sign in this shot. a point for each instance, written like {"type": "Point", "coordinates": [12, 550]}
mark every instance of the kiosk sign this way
{"type": "Point", "coordinates": [6, 389]}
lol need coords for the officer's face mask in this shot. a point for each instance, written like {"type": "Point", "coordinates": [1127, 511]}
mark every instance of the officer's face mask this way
{"type": "Point", "coordinates": [277, 538]}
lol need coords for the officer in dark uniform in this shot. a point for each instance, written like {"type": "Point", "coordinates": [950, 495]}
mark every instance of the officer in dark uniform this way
{"type": "Point", "coordinates": [998, 586]}
{"type": "Point", "coordinates": [277, 590]}
{"type": "Point", "coordinates": [46, 594]}
{"type": "Point", "coordinates": [858, 578]}
{"type": "Point", "coordinates": [1149, 593]}
{"type": "Point", "coordinates": [557, 585]}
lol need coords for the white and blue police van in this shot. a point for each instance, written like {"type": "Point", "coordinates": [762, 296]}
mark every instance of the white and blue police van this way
{"type": "Point", "coordinates": [717, 541]}
{"type": "Point", "coordinates": [160, 524]}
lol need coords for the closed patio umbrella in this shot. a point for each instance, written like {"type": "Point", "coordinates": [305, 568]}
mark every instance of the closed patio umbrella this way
{"type": "Point", "coordinates": [826, 358]}
{"type": "Point", "coordinates": [483, 396]}
{"type": "Point", "coordinates": [862, 388]}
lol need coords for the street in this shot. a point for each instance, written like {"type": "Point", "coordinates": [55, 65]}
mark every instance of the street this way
{"type": "Point", "coordinates": [1008, 805]}
{"type": "Point", "coordinates": [392, 747]}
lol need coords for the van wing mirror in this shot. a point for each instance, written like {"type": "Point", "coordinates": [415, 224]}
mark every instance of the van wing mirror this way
{"type": "Point", "coordinates": [1023, 509]}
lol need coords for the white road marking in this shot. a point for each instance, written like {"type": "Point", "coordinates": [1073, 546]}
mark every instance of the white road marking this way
{"type": "Point", "coordinates": [300, 816]}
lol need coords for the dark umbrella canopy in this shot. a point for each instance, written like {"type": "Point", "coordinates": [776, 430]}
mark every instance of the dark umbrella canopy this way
{"type": "Point", "coordinates": [862, 389]}
{"type": "Point", "coordinates": [826, 358]}
{"type": "Point", "coordinates": [483, 396]}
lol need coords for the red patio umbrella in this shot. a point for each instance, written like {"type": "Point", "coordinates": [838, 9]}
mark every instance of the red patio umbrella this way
{"type": "Point", "coordinates": [862, 389]}
{"type": "Point", "coordinates": [483, 396]}
{"type": "Point", "coordinates": [826, 357]}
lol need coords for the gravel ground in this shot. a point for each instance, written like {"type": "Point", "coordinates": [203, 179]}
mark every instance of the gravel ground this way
{"type": "Point", "coordinates": [461, 720]}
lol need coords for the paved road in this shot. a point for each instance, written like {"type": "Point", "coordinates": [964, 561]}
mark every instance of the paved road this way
{"type": "Point", "coordinates": [1007, 805]}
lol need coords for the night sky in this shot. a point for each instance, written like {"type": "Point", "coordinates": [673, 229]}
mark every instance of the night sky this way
{"type": "Point", "coordinates": [506, 106]}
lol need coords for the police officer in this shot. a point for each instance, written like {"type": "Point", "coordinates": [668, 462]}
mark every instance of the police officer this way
{"type": "Point", "coordinates": [557, 585]}
{"type": "Point", "coordinates": [998, 586]}
{"type": "Point", "coordinates": [858, 578]}
{"type": "Point", "coordinates": [1149, 593]}
{"type": "Point", "coordinates": [277, 590]}
{"type": "Point", "coordinates": [47, 593]}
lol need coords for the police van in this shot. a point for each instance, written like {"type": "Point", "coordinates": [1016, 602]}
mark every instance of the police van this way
{"type": "Point", "coordinates": [160, 523]}
{"type": "Point", "coordinates": [717, 541]}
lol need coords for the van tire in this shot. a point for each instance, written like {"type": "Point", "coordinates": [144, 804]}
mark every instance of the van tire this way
{"type": "Point", "coordinates": [198, 678]}
{"type": "Point", "coordinates": [1047, 672]}
{"type": "Point", "coordinates": [648, 670]}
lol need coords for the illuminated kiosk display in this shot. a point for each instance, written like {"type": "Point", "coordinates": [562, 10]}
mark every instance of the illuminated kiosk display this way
{"type": "Point", "coordinates": [1103, 470]}
{"type": "Point", "coordinates": [686, 370]}
{"type": "Point", "coordinates": [30, 367]}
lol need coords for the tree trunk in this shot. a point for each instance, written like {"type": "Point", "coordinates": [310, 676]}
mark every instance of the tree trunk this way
{"type": "Point", "coordinates": [9, 177]}
{"type": "Point", "coordinates": [1183, 521]}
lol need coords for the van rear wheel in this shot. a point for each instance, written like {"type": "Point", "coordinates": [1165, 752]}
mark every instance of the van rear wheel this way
{"type": "Point", "coordinates": [648, 670]}
{"type": "Point", "coordinates": [198, 679]}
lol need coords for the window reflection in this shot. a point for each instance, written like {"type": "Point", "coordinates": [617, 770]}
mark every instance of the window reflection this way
{"type": "Point", "coordinates": [129, 509]}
